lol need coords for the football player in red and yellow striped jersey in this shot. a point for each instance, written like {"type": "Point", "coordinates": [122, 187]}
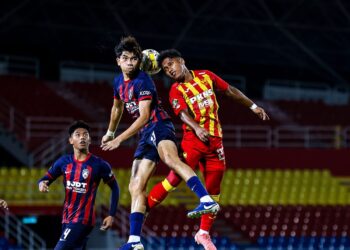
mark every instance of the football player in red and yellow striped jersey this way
{"type": "Point", "coordinates": [193, 99]}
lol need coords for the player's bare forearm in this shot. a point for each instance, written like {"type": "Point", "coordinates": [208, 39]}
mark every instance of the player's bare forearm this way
{"type": "Point", "coordinates": [116, 115]}
{"type": "Point", "coordinates": [238, 96]}
{"type": "Point", "coordinates": [145, 113]}
{"type": "Point", "coordinates": [201, 133]}
{"type": "Point", "coordinates": [134, 128]}
{"type": "Point", "coordinates": [188, 120]}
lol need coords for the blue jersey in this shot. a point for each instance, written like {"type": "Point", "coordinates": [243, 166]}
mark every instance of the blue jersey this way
{"type": "Point", "coordinates": [81, 180]}
{"type": "Point", "coordinates": [133, 91]}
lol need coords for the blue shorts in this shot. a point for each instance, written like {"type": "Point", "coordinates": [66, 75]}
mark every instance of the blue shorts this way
{"type": "Point", "coordinates": [74, 236]}
{"type": "Point", "coordinates": [151, 136]}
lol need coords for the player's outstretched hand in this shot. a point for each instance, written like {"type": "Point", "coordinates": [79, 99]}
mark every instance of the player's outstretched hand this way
{"type": "Point", "coordinates": [3, 204]}
{"type": "Point", "coordinates": [202, 134]}
{"type": "Point", "coordinates": [261, 113]}
{"type": "Point", "coordinates": [43, 186]}
{"type": "Point", "coordinates": [107, 223]}
{"type": "Point", "coordinates": [106, 138]}
{"type": "Point", "coordinates": [108, 146]}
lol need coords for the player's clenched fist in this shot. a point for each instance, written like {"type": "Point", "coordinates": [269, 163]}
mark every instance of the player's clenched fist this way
{"type": "Point", "coordinates": [106, 138]}
{"type": "Point", "coordinates": [3, 204]}
{"type": "Point", "coordinates": [43, 187]}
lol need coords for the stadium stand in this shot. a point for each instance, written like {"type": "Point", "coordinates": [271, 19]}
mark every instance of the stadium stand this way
{"type": "Point", "coordinates": [283, 208]}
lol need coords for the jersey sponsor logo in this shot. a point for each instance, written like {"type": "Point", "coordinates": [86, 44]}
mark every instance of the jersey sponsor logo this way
{"type": "Point", "coordinates": [205, 103]}
{"type": "Point", "coordinates": [201, 97]}
{"type": "Point", "coordinates": [131, 107]}
{"type": "Point", "coordinates": [76, 186]}
{"type": "Point", "coordinates": [85, 173]}
{"type": "Point", "coordinates": [145, 92]}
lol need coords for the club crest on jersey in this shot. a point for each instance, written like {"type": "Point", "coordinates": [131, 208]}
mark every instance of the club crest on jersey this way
{"type": "Point", "coordinates": [85, 173]}
{"type": "Point", "coordinates": [175, 104]}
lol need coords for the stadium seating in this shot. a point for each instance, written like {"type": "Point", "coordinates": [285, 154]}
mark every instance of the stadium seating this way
{"type": "Point", "coordinates": [315, 113]}
{"type": "Point", "coordinates": [32, 97]}
{"type": "Point", "coordinates": [274, 209]}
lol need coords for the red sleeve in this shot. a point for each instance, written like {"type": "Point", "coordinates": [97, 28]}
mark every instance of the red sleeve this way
{"type": "Point", "coordinates": [219, 83]}
{"type": "Point", "coordinates": [176, 100]}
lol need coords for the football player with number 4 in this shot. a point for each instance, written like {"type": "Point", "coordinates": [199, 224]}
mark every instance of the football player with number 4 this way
{"type": "Point", "coordinates": [135, 90]}
{"type": "Point", "coordinates": [82, 173]}
{"type": "Point", "coordinates": [193, 99]}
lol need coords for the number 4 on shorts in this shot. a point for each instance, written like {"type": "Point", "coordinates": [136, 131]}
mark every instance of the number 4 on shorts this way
{"type": "Point", "coordinates": [65, 234]}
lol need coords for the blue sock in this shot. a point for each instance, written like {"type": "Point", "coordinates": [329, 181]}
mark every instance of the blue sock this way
{"type": "Point", "coordinates": [136, 221]}
{"type": "Point", "coordinates": [196, 186]}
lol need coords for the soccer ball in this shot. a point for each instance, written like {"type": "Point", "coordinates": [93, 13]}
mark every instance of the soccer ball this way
{"type": "Point", "coordinates": [149, 62]}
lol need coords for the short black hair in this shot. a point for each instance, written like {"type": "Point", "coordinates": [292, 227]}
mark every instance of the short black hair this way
{"type": "Point", "coordinates": [76, 125]}
{"type": "Point", "coordinates": [129, 44]}
{"type": "Point", "coordinates": [169, 53]}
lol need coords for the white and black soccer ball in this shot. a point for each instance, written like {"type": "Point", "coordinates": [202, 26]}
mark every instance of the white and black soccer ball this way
{"type": "Point", "coordinates": [149, 62]}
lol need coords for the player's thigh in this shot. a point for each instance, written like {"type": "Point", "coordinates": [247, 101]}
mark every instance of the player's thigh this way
{"type": "Point", "coordinates": [141, 172]}
{"type": "Point", "coordinates": [167, 151]}
{"type": "Point", "coordinates": [190, 153]}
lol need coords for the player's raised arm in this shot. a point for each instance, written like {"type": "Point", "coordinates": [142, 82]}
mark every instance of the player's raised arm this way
{"type": "Point", "coordinates": [145, 114]}
{"type": "Point", "coordinates": [241, 98]}
{"type": "Point", "coordinates": [116, 115]}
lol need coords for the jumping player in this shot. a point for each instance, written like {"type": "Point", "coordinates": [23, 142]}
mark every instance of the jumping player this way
{"type": "Point", "coordinates": [82, 173]}
{"type": "Point", "coordinates": [193, 99]}
{"type": "Point", "coordinates": [136, 90]}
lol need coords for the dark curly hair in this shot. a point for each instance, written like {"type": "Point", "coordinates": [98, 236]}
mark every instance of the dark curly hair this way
{"type": "Point", "coordinates": [169, 53]}
{"type": "Point", "coordinates": [129, 44]}
{"type": "Point", "coordinates": [76, 125]}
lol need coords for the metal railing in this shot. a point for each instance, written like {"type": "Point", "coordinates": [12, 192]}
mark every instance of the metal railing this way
{"type": "Point", "coordinates": [52, 131]}
{"type": "Point", "coordinates": [17, 65]}
{"type": "Point", "coordinates": [24, 236]}
{"type": "Point", "coordinates": [122, 226]}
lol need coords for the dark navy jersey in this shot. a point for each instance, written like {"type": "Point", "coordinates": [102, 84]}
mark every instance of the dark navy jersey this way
{"type": "Point", "coordinates": [81, 180]}
{"type": "Point", "coordinates": [133, 91]}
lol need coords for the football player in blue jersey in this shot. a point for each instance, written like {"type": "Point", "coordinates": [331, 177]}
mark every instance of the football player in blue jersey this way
{"type": "Point", "coordinates": [135, 90]}
{"type": "Point", "coordinates": [82, 173]}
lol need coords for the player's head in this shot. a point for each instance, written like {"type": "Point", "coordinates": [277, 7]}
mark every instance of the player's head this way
{"type": "Point", "coordinates": [79, 135]}
{"type": "Point", "coordinates": [173, 64]}
{"type": "Point", "coordinates": [129, 55]}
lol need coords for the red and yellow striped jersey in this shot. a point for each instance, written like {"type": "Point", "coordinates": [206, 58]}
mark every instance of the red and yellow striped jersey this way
{"type": "Point", "coordinates": [198, 96]}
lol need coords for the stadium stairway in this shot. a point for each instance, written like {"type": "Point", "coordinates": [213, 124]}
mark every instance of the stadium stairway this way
{"type": "Point", "coordinates": [83, 104]}
{"type": "Point", "coordinates": [9, 142]}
